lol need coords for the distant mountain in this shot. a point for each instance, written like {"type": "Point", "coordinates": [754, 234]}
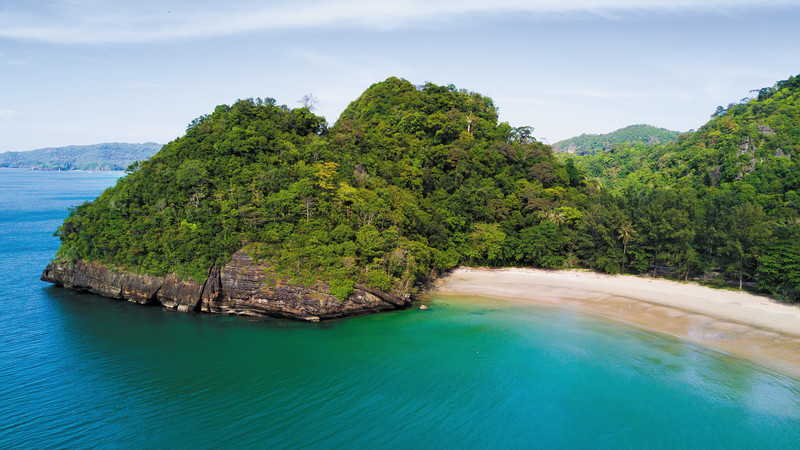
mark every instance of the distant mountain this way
{"type": "Point", "coordinates": [109, 156]}
{"type": "Point", "coordinates": [587, 144]}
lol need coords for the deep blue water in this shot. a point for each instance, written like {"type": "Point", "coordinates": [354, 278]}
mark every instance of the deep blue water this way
{"type": "Point", "coordinates": [77, 370]}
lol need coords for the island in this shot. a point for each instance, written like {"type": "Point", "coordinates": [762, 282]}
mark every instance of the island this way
{"type": "Point", "coordinates": [111, 156]}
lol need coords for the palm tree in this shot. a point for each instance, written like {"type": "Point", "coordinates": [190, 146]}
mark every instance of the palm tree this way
{"type": "Point", "coordinates": [626, 232]}
{"type": "Point", "coordinates": [554, 216]}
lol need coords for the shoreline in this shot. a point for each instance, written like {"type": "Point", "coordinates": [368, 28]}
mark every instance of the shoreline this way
{"type": "Point", "coordinates": [739, 323]}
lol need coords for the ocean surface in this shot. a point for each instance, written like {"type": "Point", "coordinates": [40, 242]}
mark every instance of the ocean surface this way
{"type": "Point", "coordinates": [78, 370]}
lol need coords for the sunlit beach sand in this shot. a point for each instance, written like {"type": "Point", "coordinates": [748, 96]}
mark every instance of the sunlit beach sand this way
{"type": "Point", "coordinates": [740, 323]}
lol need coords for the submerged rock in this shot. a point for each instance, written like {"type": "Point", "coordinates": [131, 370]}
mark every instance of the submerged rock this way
{"type": "Point", "coordinates": [240, 287]}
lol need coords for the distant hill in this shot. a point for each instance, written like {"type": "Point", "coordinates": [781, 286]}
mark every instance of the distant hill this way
{"type": "Point", "coordinates": [587, 144]}
{"type": "Point", "coordinates": [108, 156]}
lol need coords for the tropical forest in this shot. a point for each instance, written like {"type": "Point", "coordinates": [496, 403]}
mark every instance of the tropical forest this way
{"type": "Point", "coordinates": [414, 180]}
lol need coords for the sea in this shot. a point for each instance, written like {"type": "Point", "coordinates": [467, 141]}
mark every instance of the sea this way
{"type": "Point", "coordinates": [81, 371]}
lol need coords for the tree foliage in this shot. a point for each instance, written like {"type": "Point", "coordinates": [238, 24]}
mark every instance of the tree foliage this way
{"type": "Point", "coordinates": [411, 181]}
{"type": "Point", "coordinates": [414, 180]}
{"type": "Point", "coordinates": [718, 203]}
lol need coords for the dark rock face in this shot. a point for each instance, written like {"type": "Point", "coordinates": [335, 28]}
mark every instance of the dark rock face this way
{"type": "Point", "coordinates": [105, 281]}
{"type": "Point", "coordinates": [240, 287]}
{"type": "Point", "coordinates": [180, 294]}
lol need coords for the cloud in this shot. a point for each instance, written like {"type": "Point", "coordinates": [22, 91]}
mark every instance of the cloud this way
{"type": "Point", "coordinates": [143, 85]}
{"type": "Point", "coordinates": [6, 59]}
{"type": "Point", "coordinates": [602, 94]}
{"type": "Point", "coordinates": [97, 21]}
{"type": "Point", "coordinates": [8, 113]}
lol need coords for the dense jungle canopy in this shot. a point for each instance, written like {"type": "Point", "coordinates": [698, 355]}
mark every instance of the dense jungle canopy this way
{"type": "Point", "coordinates": [414, 180]}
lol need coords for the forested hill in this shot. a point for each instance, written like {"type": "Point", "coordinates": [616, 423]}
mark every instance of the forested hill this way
{"type": "Point", "coordinates": [754, 143]}
{"type": "Point", "coordinates": [414, 180]}
{"type": "Point", "coordinates": [636, 134]}
{"type": "Point", "coordinates": [721, 202]}
{"type": "Point", "coordinates": [108, 156]}
{"type": "Point", "coordinates": [411, 181]}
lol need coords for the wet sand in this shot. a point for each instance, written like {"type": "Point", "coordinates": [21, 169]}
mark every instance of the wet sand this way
{"type": "Point", "coordinates": [739, 323]}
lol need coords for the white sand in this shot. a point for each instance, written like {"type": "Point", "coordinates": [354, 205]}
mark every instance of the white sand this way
{"type": "Point", "coordinates": [737, 322]}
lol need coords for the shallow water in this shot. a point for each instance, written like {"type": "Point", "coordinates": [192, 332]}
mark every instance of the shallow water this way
{"type": "Point", "coordinates": [77, 370]}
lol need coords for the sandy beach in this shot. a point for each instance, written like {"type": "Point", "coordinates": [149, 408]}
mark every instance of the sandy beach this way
{"type": "Point", "coordinates": [739, 323]}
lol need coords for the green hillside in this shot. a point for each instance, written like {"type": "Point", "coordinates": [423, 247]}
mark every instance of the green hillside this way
{"type": "Point", "coordinates": [636, 134]}
{"type": "Point", "coordinates": [109, 156]}
{"type": "Point", "coordinates": [412, 181]}
{"type": "Point", "coordinates": [408, 183]}
{"type": "Point", "coordinates": [722, 201]}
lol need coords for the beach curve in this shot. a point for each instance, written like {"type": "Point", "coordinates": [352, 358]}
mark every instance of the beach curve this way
{"type": "Point", "coordinates": [743, 324]}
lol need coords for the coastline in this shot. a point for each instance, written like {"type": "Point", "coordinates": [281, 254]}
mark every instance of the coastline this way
{"type": "Point", "coordinates": [743, 324]}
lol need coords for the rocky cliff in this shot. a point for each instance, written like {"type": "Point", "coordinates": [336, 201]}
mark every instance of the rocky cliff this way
{"type": "Point", "coordinates": [240, 287]}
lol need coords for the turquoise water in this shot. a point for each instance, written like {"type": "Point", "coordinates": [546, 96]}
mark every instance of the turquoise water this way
{"type": "Point", "coordinates": [77, 370]}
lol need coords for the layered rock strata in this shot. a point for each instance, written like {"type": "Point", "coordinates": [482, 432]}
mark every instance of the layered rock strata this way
{"type": "Point", "coordinates": [240, 287]}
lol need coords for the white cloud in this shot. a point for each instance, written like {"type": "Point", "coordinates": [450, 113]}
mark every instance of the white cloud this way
{"type": "Point", "coordinates": [95, 21]}
{"type": "Point", "coordinates": [8, 113]}
{"type": "Point", "coordinates": [6, 59]}
{"type": "Point", "coordinates": [143, 85]}
{"type": "Point", "coordinates": [618, 95]}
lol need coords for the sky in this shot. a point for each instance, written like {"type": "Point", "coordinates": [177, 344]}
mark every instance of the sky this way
{"type": "Point", "coordinates": [78, 72]}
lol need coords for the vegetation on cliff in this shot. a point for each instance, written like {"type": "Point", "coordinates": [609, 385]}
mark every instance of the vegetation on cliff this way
{"type": "Point", "coordinates": [415, 180]}
{"type": "Point", "coordinates": [588, 144]}
{"type": "Point", "coordinates": [109, 156]}
{"type": "Point", "coordinates": [411, 181]}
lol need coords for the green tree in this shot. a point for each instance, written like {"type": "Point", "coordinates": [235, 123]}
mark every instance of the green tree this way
{"type": "Point", "coordinates": [746, 237]}
{"type": "Point", "coordinates": [626, 232]}
{"type": "Point", "coordinates": [485, 242]}
{"type": "Point", "coordinates": [779, 265]}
